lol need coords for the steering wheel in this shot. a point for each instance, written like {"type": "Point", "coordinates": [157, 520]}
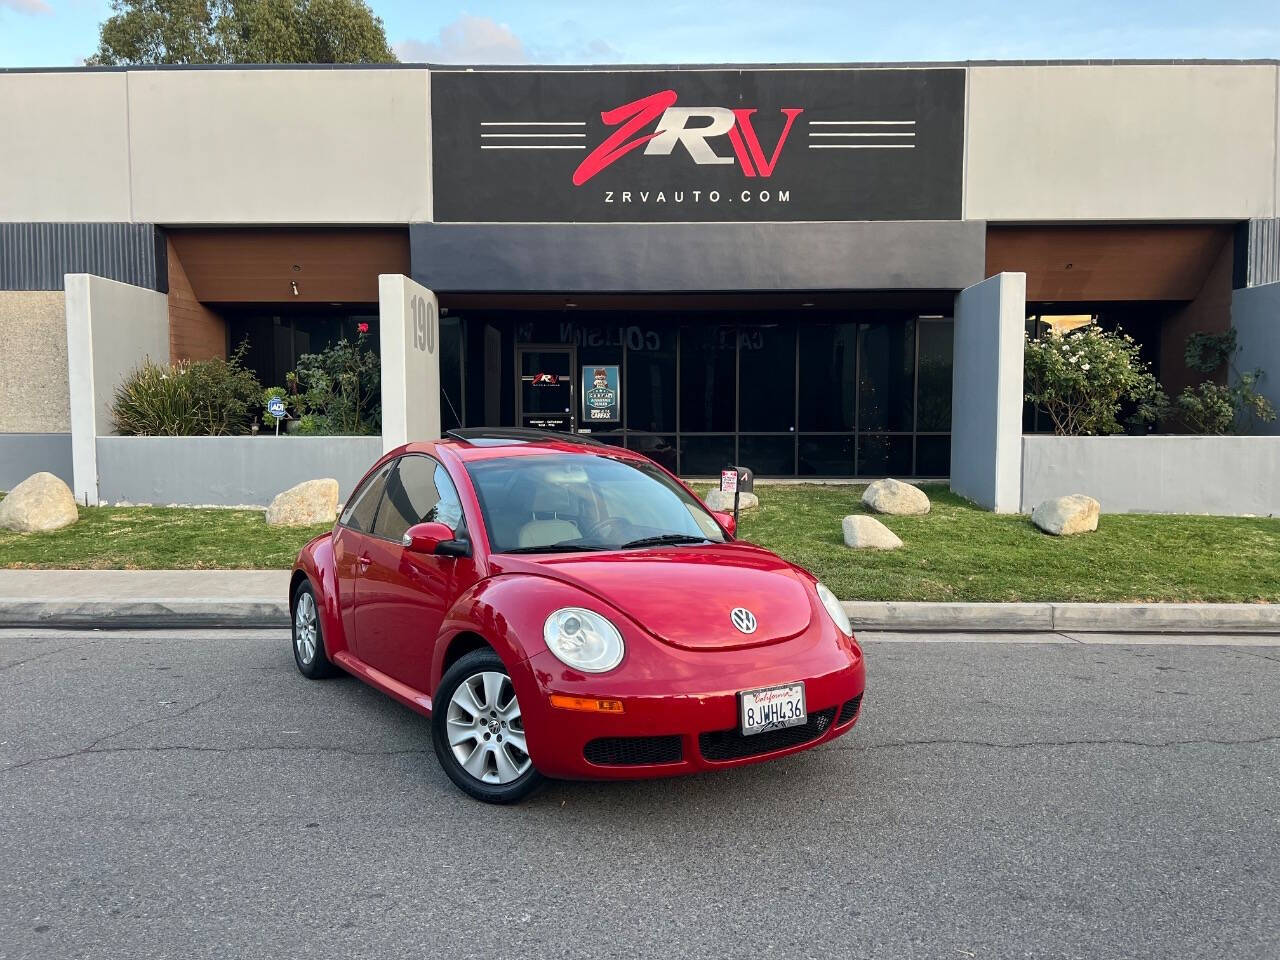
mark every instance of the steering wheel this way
{"type": "Point", "coordinates": [597, 530]}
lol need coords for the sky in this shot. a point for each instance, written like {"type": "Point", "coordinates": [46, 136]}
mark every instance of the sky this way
{"type": "Point", "coordinates": [64, 32]}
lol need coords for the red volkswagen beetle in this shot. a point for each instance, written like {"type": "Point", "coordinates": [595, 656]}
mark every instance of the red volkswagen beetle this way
{"type": "Point", "coordinates": [564, 608]}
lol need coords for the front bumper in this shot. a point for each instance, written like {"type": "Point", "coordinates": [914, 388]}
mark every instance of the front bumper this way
{"type": "Point", "coordinates": [680, 707]}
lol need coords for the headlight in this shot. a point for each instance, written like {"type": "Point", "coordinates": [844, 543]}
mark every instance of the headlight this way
{"type": "Point", "coordinates": [583, 640]}
{"type": "Point", "coordinates": [835, 610]}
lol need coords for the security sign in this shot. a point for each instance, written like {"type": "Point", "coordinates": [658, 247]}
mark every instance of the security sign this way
{"type": "Point", "coordinates": [600, 394]}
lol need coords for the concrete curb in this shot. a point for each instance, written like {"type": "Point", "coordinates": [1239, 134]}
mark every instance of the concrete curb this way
{"type": "Point", "coordinates": [1066, 617]}
{"type": "Point", "coordinates": [260, 612]}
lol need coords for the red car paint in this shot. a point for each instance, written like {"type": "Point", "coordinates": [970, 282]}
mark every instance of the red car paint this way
{"type": "Point", "coordinates": [397, 618]}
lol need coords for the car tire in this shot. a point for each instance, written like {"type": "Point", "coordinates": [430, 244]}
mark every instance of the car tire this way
{"type": "Point", "coordinates": [308, 636]}
{"type": "Point", "coordinates": [486, 758]}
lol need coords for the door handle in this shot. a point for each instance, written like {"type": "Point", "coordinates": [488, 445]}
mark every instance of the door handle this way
{"type": "Point", "coordinates": [364, 562]}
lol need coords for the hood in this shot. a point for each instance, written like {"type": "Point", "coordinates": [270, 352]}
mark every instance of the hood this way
{"type": "Point", "coordinates": [684, 595]}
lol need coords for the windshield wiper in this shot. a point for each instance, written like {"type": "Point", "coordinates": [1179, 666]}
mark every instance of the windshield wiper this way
{"type": "Point", "coordinates": [662, 539]}
{"type": "Point", "coordinates": [554, 548]}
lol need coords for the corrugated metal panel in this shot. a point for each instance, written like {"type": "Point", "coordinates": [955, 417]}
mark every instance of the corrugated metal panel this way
{"type": "Point", "coordinates": [35, 256]}
{"type": "Point", "coordinates": [1263, 253]}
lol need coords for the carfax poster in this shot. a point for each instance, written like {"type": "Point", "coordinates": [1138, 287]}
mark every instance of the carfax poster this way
{"type": "Point", "coordinates": [600, 394]}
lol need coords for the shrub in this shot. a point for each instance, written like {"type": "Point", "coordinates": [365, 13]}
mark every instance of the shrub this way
{"type": "Point", "coordinates": [1085, 378]}
{"type": "Point", "coordinates": [206, 398]}
{"type": "Point", "coordinates": [340, 388]}
{"type": "Point", "coordinates": [1211, 408]}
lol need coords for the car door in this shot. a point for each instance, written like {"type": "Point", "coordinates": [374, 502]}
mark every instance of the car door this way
{"type": "Point", "coordinates": [351, 541]}
{"type": "Point", "coordinates": [403, 596]}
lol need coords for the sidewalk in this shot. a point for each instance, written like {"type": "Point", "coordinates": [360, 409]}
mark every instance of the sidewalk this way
{"type": "Point", "coordinates": [258, 598]}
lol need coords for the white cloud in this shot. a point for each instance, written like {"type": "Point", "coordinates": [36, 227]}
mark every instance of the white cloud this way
{"type": "Point", "coordinates": [26, 6]}
{"type": "Point", "coordinates": [468, 39]}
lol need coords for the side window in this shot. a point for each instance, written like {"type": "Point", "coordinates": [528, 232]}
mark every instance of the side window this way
{"type": "Point", "coordinates": [360, 510]}
{"type": "Point", "coordinates": [419, 491]}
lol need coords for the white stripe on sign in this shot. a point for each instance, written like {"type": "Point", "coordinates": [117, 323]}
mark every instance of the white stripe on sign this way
{"type": "Point", "coordinates": [533, 123]}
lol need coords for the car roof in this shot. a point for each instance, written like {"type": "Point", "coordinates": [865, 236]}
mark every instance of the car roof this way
{"type": "Point", "coordinates": [475, 444]}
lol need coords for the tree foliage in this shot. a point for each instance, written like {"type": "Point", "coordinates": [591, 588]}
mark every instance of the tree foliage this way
{"type": "Point", "coordinates": [241, 31]}
{"type": "Point", "coordinates": [1083, 380]}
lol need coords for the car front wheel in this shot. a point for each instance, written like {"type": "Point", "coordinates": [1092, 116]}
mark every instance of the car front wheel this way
{"type": "Point", "coordinates": [478, 731]}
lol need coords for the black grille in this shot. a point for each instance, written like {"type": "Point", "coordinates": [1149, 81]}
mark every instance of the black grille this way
{"type": "Point", "coordinates": [732, 745]}
{"type": "Point", "coordinates": [634, 751]}
{"type": "Point", "coordinates": [849, 710]}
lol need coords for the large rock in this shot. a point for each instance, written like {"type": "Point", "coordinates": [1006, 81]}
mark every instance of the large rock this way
{"type": "Point", "coordinates": [310, 502]}
{"type": "Point", "coordinates": [1067, 515]}
{"type": "Point", "coordinates": [40, 502]}
{"type": "Point", "coordinates": [895, 497]}
{"type": "Point", "coordinates": [719, 500]}
{"type": "Point", "coordinates": [867, 533]}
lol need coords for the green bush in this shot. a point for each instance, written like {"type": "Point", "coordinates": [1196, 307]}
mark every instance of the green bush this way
{"type": "Point", "coordinates": [1211, 408]}
{"type": "Point", "coordinates": [1085, 378]}
{"type": "Point", "coordinates": [206, 398]}
{"type": "Point", "coordinates": [268, 395]}
{"type": "Point", "coordinates": [339, 389]}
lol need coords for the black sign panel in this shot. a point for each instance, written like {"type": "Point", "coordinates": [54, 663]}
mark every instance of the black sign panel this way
{"type": "Point", "coordinates": [697, 145]}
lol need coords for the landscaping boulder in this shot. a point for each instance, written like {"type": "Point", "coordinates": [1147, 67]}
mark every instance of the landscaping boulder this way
{"type": "Point", "coordinates": [867, 533]}
{"type": "Point", "coordinates": [1067, 515]}
{"type": "Point", "coordinates": [895, 497]}
{"type": "Point", "coordinates": [40, 502]}
{"type": "Point", "coordinates": [719, 500]}
{"type": "Point", "coordinates": [310, 502]}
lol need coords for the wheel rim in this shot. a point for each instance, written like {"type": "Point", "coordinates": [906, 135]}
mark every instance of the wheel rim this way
{"type": "Point", "coordinates": [485, 729]}
{"type": "Point", "coordinates": [305, 629]}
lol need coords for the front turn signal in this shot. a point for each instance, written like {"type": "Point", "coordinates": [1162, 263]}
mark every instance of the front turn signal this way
{"type": "Point", "coordinates": [585, 704]}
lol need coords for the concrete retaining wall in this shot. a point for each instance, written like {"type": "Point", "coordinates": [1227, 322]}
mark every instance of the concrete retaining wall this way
{"type": "Point", "coordinates": [1229, 476]}
{"type": "Point", "coordinates": [22, 454]}
{"type": "Point", "coordinates": [226, 471]}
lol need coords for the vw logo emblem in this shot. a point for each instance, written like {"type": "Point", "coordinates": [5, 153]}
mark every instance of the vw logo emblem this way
{"type": "Point", "coordinates": [743, 619]}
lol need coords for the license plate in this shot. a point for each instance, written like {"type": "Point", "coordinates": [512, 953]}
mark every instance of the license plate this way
{"type": "Point", "coordinates": [772, 708]}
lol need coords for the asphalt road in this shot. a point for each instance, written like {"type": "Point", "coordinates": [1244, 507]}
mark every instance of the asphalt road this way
{"type": "Point", "coordinates": [191, 796]}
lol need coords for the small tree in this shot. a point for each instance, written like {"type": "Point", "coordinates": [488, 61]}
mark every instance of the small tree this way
{"type": "Point", "coordinates": [1211, 408]}
{"type": "Point", "coordinates": [241, 31]}
{"type": "Point", "coordinates": [1085, 378]}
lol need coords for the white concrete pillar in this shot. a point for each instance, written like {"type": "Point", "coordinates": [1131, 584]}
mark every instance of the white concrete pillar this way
{"type": "Point", "coordinates": [112, 328]}
{"type": "Point", "coordinates": [409, 318]}
{"type": "Point", "coordinates": [986, 392]}
{"type": "Point", "coordinates": [1255, 314]}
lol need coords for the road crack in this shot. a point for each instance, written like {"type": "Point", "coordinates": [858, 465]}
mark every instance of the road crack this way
{"type": "Point", "coordinates": [1033, 744]}
{"type": "Point", "coordinates": [192, 748]}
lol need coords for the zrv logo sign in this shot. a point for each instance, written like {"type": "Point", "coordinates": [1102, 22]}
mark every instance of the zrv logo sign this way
{"type": "Point", "coordinates": [691, 127]}
{"type": "Point", "coordinates": [697, 145]}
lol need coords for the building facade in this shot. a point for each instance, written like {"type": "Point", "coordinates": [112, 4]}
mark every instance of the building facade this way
{"type": "Point", "coordinates": [757, 265]}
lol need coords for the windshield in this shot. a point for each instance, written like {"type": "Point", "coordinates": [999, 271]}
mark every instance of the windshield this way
{"type": "Point", "coordinates": [541, 504]}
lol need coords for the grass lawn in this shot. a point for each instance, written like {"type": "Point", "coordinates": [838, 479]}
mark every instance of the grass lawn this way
{"type": "Point", "coordinates": [956, 552]}
{"type": "Point", "coordinates": [158, 538]}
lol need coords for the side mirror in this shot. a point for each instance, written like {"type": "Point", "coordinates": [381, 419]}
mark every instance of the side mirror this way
{"type": "Point", "coordinates": [726, 520]}
{"type": "Point", "coordinates": [434, 538]}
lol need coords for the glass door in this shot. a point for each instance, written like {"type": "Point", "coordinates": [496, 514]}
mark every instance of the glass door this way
{"type": "Point", "coordinates": [546, 392]}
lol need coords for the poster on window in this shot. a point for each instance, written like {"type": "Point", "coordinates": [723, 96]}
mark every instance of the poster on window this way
{"type": "Point", "coordinates": [600, 395]}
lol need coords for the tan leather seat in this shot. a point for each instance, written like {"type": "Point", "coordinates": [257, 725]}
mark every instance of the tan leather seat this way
{"type": "Point", "coordinates": [548, 525]}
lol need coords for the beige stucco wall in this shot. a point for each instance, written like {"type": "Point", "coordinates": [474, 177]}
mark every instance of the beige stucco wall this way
{"type": "Point", "coordinates": [64, 151]}
{"type": "Point", "coordinates": [33, 362]}
{"type": "Point", "coordinates": [279, 146]}
{"type": "Point", "coordinates": [1156, 142]}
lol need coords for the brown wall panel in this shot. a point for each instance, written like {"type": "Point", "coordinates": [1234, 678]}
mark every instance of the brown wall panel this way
{"type": "Point", "coordinates": [1209, 312]}
{"type": "Point", "coordinates": [260, 265]}
{"type": "Point", "coordinates": [195, 331]}
{"type": "Point", "coordinates": [1098, 263]}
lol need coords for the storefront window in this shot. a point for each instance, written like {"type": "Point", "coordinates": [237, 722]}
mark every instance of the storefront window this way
{"type": "Point", "coordinates": [817, 395]}
{"type": "Point", "coordinates": [708, 360]}
{"type": "Point", "coordinates": [886, 375]}
{"type": "Point", "coordinates": [828, 376]}
{"type": "Point", "coordinates": [767, 379]}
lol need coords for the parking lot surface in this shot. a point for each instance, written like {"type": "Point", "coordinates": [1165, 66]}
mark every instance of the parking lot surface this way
{"type": "Point", "coordinates": [189, 795]}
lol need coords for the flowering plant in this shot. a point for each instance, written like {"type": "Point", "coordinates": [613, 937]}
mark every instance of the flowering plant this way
{"type": "Point", "coordinates": [1085, 378]}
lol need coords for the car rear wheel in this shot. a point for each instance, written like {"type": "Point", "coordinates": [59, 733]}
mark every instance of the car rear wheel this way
{"type": "Point", "coordinates": [308, 636]}
{"type": "Point", "coordinates": [478, 731]}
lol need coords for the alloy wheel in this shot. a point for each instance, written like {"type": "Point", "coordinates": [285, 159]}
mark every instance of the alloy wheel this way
{"type": "Point", "coordinates": [485, 729]}
{"type": "Point", "coordinates": [304, 628]}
